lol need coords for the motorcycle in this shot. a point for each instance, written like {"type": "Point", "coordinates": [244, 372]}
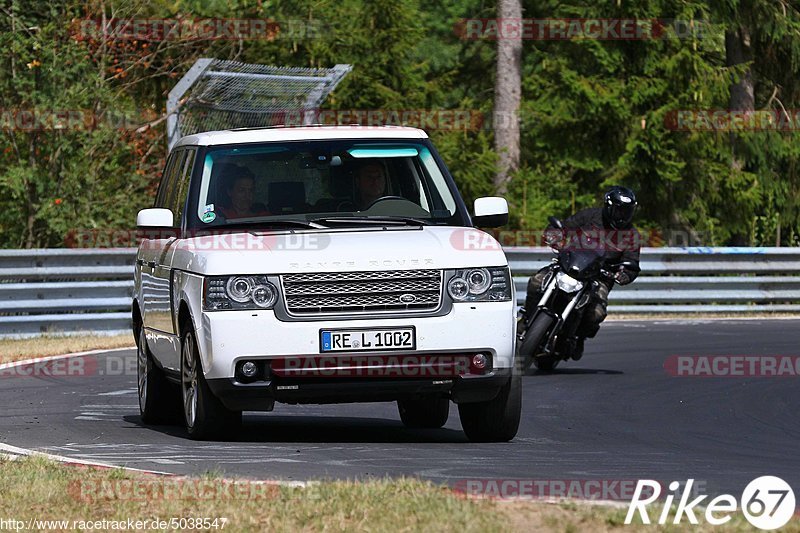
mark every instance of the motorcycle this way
{"type": "Point", "coordinates": [547, 334]}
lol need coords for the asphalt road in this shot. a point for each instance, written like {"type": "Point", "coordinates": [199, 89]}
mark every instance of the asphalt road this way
{"type": "Point", "coordinates": [615, 415]}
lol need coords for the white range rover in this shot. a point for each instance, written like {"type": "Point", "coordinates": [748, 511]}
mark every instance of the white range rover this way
{"type": "Point", "coordinates": [322, 265]}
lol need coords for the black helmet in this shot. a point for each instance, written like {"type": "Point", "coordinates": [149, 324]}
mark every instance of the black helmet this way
{"type": "Point", "coordinates": [619, 204]}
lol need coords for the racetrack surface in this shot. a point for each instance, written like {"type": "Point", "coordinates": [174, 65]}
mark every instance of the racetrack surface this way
{"type": "Point", "coordinates": [615, 415]}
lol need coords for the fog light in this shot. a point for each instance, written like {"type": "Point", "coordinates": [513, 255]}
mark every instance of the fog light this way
{"type": "Point", "coordinates": [249, 369]}
{"type": "Point", "coordinates": [479, 361]}
{"type": "Point", "coordinates": [458, 289]}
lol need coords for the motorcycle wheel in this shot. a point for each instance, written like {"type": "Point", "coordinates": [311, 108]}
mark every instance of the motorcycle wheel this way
{"type": "Point", "coordinates": [545, 363]}
{"type": "Point", "coordinates": [533, 338]}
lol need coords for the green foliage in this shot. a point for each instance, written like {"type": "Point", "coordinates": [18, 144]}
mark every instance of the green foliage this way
{"type": "Point", "coordinates": [597, 113]}
{"type": "Point", "coordinates": [74, 169]}
{"type": "Point", "coordinates": [594, 113]}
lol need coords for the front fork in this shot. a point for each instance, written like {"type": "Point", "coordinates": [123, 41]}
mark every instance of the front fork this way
{"type": "Point", "coordinates": [550, 293]}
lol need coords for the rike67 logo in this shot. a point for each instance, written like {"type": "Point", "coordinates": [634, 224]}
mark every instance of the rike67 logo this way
{"type": "Point", "coordinates": [767, 502]}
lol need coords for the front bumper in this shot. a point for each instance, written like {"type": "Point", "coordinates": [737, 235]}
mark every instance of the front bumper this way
{"type": "Point", "coordinates": [261, 396]}
{"type": "Point", "coordinates": [224, 337]}
{"type": "Point", "coordinates": [227, 337]}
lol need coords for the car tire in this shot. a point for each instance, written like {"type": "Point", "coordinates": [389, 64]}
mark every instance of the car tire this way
{"type": "Point", "coordinates": [428, 413]}
{"type": "Point", "coordinates": [158, 398]}
{"type": "Point", "coordinates": [496, 420]}
{"type": "Point", "coordinates": [204, 414]}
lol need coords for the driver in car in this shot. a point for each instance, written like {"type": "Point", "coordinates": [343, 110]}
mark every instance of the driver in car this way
{"type": "Point", "coordinates": [370, 184]}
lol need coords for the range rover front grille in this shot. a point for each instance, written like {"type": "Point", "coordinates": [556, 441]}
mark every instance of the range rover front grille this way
{"type": "Point", "coordinates": [362, 292]}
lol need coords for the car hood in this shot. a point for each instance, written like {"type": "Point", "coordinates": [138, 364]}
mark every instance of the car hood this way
{"type": "Point", "coordinates": [406, 248]}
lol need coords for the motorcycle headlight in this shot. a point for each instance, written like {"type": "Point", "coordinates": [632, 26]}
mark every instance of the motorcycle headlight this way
{"type": "Point", "coordinates": [567, 283]}
{"type": "Point", "coordinates": [223, 293]}
{"type": "Point", "coordinates": [480, 285]}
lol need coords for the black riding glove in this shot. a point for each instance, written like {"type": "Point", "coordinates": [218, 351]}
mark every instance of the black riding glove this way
{"type": "Point", "coordinates": [553, 237]}
{"type": "Point", "coordinates": [622, 277]}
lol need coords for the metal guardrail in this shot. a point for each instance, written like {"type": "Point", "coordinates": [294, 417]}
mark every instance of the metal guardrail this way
{"type": "Point", "coordinates": [691, 280]}
{"type": "Point", "coordinates": [90, 290]}
{"type": "Point", "coordinates": [52, 291]}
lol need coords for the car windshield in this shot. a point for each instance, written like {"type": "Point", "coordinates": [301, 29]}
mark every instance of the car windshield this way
{"type": "Point", "coordinates": [323, 183]}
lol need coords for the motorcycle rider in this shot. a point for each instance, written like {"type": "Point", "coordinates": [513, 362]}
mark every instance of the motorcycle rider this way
{"type": "Point", "coordinates": [611, 226]}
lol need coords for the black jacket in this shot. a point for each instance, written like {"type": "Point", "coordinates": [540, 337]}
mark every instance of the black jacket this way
{"type": "Point", "coordinates": [620, 245]}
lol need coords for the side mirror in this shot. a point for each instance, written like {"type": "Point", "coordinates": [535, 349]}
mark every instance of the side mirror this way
{"type": "Point", "coordinates": [556, 223]}
{"type": "Point", "coordinates": [630, 265]}
{"type": "Point", "coordinates": [155, 218]}
{"type": "Point", "coordinates": [490, 212]}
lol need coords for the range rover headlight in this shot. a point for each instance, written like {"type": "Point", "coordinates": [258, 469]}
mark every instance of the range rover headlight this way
{"type": "Point", "coordinates": [224, 293]}
{"type": "Point", "coordinates": [239, 289]}
{"type": "Point", "coordinates": [491, 284]}
{"type": "Point", "coordinates": [479, 280]}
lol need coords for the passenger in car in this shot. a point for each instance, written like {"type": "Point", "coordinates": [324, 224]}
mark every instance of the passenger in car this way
{"type": "Point", "coordinates": [240, 202]}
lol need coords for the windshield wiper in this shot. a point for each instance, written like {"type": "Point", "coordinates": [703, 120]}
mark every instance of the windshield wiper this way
{"type": "Point", "coordinates": [252, 223]}
{"type": "Point", "coordinates": [372, 220]}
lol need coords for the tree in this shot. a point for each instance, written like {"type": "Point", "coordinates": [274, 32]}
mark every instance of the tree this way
{"type": "Point", "coordinates": [591, 112]}
{"type": "Point", "coordinates": [507, 95]}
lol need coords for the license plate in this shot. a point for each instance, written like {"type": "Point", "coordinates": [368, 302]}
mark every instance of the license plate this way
{"type": "Point", "coordinates": [362, 340]}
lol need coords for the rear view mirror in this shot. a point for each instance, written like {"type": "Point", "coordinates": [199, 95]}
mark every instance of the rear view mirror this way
{"type": "Point", "coordinates": [155, 218]}
{"type": "Point", "coordinates": [490, 212]}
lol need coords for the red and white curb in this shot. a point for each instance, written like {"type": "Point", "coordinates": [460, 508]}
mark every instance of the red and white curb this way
{"type": "Point", "coordinates": [39, 360]}
{"type": "Point", "coordinates": [12, 453]}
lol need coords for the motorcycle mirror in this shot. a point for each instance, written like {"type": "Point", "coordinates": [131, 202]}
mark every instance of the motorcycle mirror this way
{"type": "Point", "coordinates": [629, 265]}
{"type": "Point", "coordinates": [555, 222]}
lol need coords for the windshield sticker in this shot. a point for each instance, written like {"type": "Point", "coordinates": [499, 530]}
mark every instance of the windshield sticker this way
{"type": "Point", "coordinates": [208, 217]}
{"type": "Point", "coordinates": [208, 208]}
